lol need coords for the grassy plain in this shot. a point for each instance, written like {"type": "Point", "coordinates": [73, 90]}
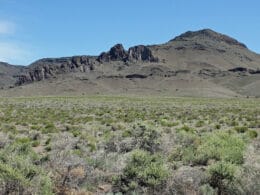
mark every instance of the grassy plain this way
{"type": "Point", "coordinates": [118, 144]}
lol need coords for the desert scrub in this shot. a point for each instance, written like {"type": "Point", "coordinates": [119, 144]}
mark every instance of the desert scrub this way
{"type": "Point", "coordinates": [94, 139]}
{"type": "Point", "coordinates": [18, 172]}
{"type": "Point", "coordinates": [9, 129]}
{"type": "Point", "coordinates": [147, 138]}
{"type": "Point", "coordinates": [223, 177]}
{"type": "Point", "coordinates": [200, 123]}
{"type": "Point", "coordinates": [142, 170]}
{"type": "Point", "coordinates": [241, 129]}
{"type": "Point", "coordinates": [167, 123]}
{"type": "Point", "coordinates": [49, 128]}
{"type": "Point", "coordinates": [252, 134]}
{"type": "Point", "coordinates": [221, 146]}
{"type": "Point", "coordinates": [186, 129]}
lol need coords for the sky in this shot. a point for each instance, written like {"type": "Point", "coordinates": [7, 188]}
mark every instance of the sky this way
{"type": "Point", "coordinates": [34, 29]}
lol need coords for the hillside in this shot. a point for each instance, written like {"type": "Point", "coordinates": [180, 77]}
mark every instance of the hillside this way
{"type": "Point", "coordinates": [201, 63]}
{"type": "Point", "coordinates": [8, 74]}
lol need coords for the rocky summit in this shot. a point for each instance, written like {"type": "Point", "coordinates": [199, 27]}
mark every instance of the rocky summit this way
{"type": "Point", "coordinates": [196, 63]}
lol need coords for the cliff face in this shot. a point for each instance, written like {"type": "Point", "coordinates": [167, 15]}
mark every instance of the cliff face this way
{"type": "Point", "coordinates": [134, 54]}
{"type": "Point", "coordinates": [51, 67]}
{"type": "Point", "coordinates": [141, 53]}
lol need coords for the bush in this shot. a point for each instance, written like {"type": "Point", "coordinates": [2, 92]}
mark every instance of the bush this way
{"type": "Point", "coordinates": [252, 134]}
{"type": "Point", "coordinates": [166, 123]}
{"type": "Point", "coordinates": [206, 189]}
{"type": "Point", "coordinates": [241, 129]}
{"type": "Point", "coordinates": [143, 170]}
{"type": "Point", "coordinates": [36, 143]}
{"type": "Point", "coordinates": [200, 123]}
{"type": "Point", "coordinates": [217, 126]}
{"type": "Point", "coordinates": [49, 128]}
{"type": "Point", "coordinates": [147, 138]}
{"type": "Point", "coordinates": [222, 174]}
{"type": "Point", "coordinates": [18, 171]}
{"type": "Point", "coordinates": [186, 129]}
{"type": "Point", "coordinates": [221, 146]}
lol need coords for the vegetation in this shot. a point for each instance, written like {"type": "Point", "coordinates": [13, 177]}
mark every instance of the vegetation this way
{"type": "Point", "coordinates": [142, 170]}
{"type": "Point", "coordinates": [133, 145]}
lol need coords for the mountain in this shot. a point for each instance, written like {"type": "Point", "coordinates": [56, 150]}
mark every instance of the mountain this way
{"type": "Point", "coordinates": [200, 63]}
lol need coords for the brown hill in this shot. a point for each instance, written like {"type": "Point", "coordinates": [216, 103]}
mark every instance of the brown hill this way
{"type": "Point", "coordinates": [200, 63]}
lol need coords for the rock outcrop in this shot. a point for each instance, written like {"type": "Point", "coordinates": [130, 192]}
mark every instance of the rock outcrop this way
{"type": "Point", "coordinates": [116, 53]}
{"type": "Point", "coordinates": [50, 67]}
{"type": "Point", "coordinates": [134, 54]}
{"type": "Point", "coordinates": [244, 70]}
{"type": "Point", "coordinates": [141, 53]}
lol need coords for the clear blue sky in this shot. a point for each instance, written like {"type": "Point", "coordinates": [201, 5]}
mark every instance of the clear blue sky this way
{"type": "Point", "coordinates": [33, 29]}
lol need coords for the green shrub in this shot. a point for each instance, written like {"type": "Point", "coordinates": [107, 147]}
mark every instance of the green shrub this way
{"type": "Point", "coordinates": [217, 126]}
{"type": "Point", "coordinates": [188, 155]}
{"type": "Point", "coordinates": [146, 137]}
{"type": "Point", "coordinates": [200, 123]}
{"type": "Point", "coordinates": [9, 129]}
{"type": "Point", "coordinates": [127, 133]}
{"type": "Point", "coordinates": [36, 143]}
{"type": "Point", "coordinates": [48, 148]}
{"type": "Point", "coordinates": [76, 132]}
{"type": "Point", "coordinates": [23, 140]}
{"type": "Point", "coordinates": [92, 146]}
{"type": "Point", "coordinates": [176, 154]}
{"type": "Point", "coordinates": [18, 171]}
{"type": "Point", "coordinates": [186, 129]}
{"type": "Point", "coordinates": [47, 142]}
{"type": "Point", "coordinates": [222, 174]}
{"type": "Point", "coordinates": [143, 170]}
{"type": "Point", "coordinates": [206, 189]}
{"type": "Point", "coordinates": [35, 127]}
{"type": "Point", "coordinates": [49, 128]}
{"type": "Point", "coordinates": [252, 134]}
{"type": "Point", "coordinates": [221, 146]}
{"type": "Point", "coordinates": [241, 129]}
{"type": "Point", "coordinates": [166, 123]}
{"type": "Point", "coordinates": [233, 123]}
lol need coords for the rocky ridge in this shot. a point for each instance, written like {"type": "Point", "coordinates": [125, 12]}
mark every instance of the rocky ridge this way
{"type": "Point", "coordinates": [50, 67]}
